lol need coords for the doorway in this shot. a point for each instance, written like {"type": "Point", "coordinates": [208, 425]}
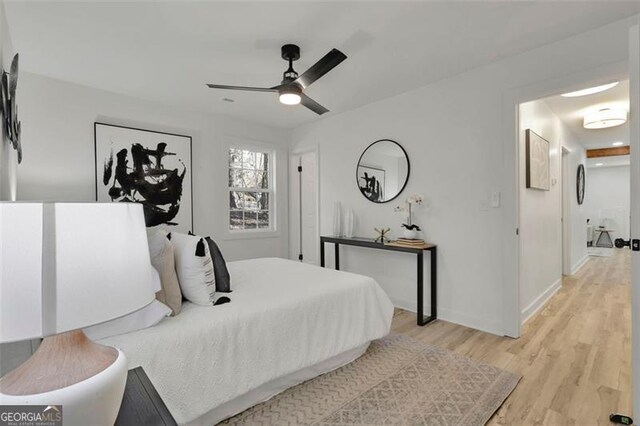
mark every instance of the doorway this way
{"type": "Point", "coordinates": [303, 207]}
{"type": "Point", "coordinates": [560, 137]}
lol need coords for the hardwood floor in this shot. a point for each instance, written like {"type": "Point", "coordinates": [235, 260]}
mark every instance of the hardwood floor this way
{"type": "Point", "coordinates": [574, 355]}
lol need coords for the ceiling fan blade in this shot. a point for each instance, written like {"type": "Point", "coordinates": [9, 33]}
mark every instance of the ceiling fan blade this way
{"type": "Point", "coordinates": [249, 89]}
{"type": "Point", "coordinates": [320, 68]}
{"type": "Point", "coordinates": [312, 105]}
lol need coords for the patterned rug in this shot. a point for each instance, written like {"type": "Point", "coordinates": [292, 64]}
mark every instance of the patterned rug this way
{"type": "Point", "coordinates": [398, 381]}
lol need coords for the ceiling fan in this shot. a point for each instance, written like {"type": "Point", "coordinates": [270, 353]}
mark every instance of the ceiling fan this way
{"type": "Point", "coordinates": [291, 89]}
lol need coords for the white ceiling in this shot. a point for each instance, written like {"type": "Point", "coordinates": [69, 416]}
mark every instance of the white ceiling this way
{"type": "Point", "coordinates": [166, 52]}
{"type": "Point", "coordinates": [572, 110]}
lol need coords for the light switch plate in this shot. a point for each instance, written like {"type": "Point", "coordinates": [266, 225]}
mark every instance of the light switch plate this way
{"type": "Point", "coordinates": [495, 199]}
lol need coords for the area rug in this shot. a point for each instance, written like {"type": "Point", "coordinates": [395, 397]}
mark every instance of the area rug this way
{"type": "Point", "coordinates": [399, 381]}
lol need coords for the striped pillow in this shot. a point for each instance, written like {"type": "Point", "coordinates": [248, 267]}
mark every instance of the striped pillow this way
{"type": "Point", "coordinates": [194, 267]}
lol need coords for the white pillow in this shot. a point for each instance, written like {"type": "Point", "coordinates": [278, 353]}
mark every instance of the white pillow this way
{"type": "Point", "coordinates": [146, 317]}
{"type": "Point", "coordinates": [195, 268]}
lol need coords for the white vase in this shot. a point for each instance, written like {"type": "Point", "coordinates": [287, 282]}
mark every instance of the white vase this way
{"type": "Point", "coordinates": [411, 234]}
{"type": "Point", "coordinates": [349, 223]}
{"type": "Point", "coordinates": [337, 225]}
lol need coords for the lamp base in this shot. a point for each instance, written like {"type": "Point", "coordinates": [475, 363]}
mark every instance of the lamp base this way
{"type": "Point", "coordinates": [86, 378]}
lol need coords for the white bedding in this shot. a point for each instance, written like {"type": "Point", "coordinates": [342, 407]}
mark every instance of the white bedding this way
{"type": "Point", "coordinates": [284, 316]}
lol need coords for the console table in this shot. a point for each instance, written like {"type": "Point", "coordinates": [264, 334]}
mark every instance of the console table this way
{"type": "Point", "coordinates": [370, 243]}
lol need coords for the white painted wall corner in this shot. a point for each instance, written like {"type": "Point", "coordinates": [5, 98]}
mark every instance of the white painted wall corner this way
{"type": "Point", "coordinates": [540, 301]}
{"type": "Point", "coordinates": [579, 264]}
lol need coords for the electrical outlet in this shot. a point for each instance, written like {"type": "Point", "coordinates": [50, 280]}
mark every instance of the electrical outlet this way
{"type": "Point", "coordinates": [483, 205]}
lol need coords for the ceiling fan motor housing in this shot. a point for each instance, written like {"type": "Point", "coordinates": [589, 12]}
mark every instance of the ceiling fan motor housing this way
{"type": "Point", "coordinates": [290, 52]}
{"type": "Point", "coordinates": [291, 88]}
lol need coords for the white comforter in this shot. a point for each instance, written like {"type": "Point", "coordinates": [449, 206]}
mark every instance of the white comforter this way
{"type": "Point", "coordinates": [284, 316]}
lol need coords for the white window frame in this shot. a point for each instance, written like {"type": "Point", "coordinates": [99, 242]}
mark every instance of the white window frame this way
{"type": "Point", "coordinates": [272, 231]}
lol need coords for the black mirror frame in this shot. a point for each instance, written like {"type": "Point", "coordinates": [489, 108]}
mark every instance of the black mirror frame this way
{"type": "Point", "coordinates": [405, 181]}
{"type": "Point", "coordinates": [578, 181]}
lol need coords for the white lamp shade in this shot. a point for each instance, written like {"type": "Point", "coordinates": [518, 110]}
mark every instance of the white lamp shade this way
{"type": "Point", "coordinates": [66, 266]}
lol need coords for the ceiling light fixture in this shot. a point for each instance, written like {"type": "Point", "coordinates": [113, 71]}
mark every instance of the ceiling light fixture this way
{"type": "Point", "coordinates": [599, 164]}
{"type": "Point", "coordinates": [590, 90]}
{"type": "Point", "coordinates": [606, 117]}
{"type": "Point", "coordinates": [290, 95]}
{"type": "Point", "coordinates": [617, 143]}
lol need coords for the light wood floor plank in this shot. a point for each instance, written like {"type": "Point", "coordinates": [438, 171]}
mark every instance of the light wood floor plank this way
{"type": "Point", "coordinates": [574, 355]}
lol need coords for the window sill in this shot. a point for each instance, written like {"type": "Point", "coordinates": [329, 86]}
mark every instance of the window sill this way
{"type": "Point", "coordinates": [250, 235]}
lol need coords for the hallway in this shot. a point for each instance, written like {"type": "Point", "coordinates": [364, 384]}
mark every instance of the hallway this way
{"type": "Point", "coordinates": [574, 355]}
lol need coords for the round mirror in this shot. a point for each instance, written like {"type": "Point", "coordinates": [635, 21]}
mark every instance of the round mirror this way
{"type": "Point", "coordinates": [383, 171]}
{"type": "Point", "coordinates": [580, 184]}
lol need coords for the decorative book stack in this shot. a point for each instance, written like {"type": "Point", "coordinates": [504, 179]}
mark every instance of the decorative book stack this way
{"type": "Point", "coordinates": [408, 242]}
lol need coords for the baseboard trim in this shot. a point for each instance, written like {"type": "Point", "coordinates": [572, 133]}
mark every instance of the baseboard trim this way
{"type": "Point", "coordinates": [540, 301]}
{"type": "Point", "coordinates": [580, 264]}
{"type": "Point", "coordinates": [466, 320]}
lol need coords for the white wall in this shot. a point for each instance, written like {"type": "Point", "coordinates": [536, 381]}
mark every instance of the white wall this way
{"type": "Point", "coordinates": [541, 211]}
{"type": "Point", "coordinates": [578, 227]}
{"type": "Point", "coordinates": [57, 127]}
{"type": "Point", "coordinates": [8, 156]}
{"type": "Point", "coordinates": [452, 131]}
{"type": "Point", "coordinates": [608, 195]}
{"type": "Point", "coordinates": [11, 355]}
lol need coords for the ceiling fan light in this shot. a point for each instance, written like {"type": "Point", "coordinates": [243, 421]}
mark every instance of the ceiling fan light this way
{"type": "Point", "coordinates": [290, 95]}
{"type": "Point", "coordinates": [289, 98]}
{"type": "Point", "coordinates": [607, 117]}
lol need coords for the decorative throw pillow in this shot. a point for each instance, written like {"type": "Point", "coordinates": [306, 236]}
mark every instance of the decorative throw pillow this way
{"type": "Point", "coordinates": [194, 267]}
{"type": "Point", "coordinates": [162, 258]}
{"type": "Point", "coordinates": [223, 279]}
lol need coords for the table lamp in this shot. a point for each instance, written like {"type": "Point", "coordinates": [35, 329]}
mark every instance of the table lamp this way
{"type": "Point", "coordinates": [64, 267]}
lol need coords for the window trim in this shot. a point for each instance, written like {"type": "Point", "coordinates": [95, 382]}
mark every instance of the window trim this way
{"type": "Point", "coordinates": [256, 146]}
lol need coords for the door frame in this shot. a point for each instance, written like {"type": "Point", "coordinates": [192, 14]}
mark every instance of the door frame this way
{"type": "Point", "coordinates": [634, 129]}
{"type": "Point", "coordinates": [565, 213]}
{"type": "Point", "coordinates": [511, 100]}
{"type": "Point", "coordinates": [292, 209]}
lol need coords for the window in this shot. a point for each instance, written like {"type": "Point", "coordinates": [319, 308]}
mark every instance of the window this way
{"type": "Point", "coordinates": [251, 194]}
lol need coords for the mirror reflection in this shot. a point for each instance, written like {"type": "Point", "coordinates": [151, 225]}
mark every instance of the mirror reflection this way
{"type": "Point", "coordinates": [383, 171]}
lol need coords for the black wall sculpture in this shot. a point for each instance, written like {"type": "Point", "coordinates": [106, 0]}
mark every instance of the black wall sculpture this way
{"type": "Point", "coordinates": [8, 107]}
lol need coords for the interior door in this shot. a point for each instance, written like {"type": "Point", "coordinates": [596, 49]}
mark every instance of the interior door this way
{"type": "Point", "coordinates": [309, 210]}
{"type": "Point", "coordinates": [634, 110]}
{"type": "Point", "coordinates": [303, 207]}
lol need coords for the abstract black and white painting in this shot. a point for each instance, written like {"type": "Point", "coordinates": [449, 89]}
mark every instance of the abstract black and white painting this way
{"type": "Point", "coordinates": [146, 167]}
{"type": "Point", "coordinates": [371, 182]}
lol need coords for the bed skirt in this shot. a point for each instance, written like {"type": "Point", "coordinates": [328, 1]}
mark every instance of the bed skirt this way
{"type": "Point", "coordinates": [274, 387]}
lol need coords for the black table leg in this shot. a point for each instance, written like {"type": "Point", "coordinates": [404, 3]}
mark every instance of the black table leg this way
{"type": "Point", "coordinates": [420, 288]}
{"type": "Point", "coordinates": [434, 283]}
{"type": "Point", "coordinates": [422, 320]}
{"type": "Point", "coordinates": [337, 254]}
{"type": "Point", "coordinates": [322, 253]}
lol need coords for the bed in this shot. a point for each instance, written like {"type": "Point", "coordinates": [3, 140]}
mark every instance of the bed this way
{"type": "Point", "coordinates": [287, 322]}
